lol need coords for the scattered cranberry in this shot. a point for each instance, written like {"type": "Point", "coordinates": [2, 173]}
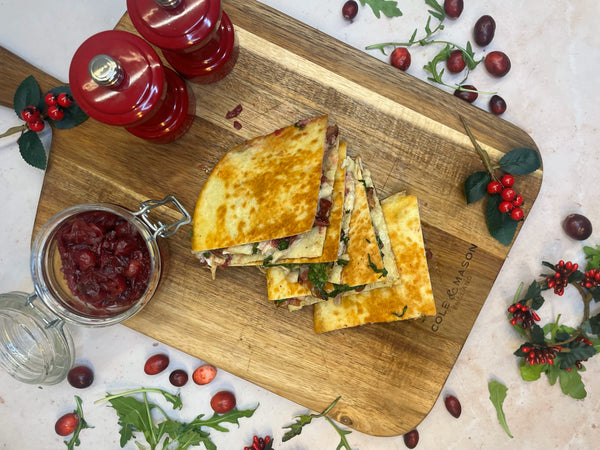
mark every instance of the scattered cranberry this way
{"type": "Point", "coordinates": [350, 10]}
{"type": "Point", "coordinates": [51, 99]}
{"type": "Point", "coordinates": [455, 62]}
{"type": "Point", "coordinates": [453, 405]}
{"type": "Point", "coordinates": [56, 112]}
{"type": "Point", "coordinates": [516, 213]}
{"type": "Point", "coordinates": [80, 377]}
{"type": "Point", "coordinates": [494, 187]}
{"type": "Point", "coordinates": [222, 402]}
{"type": "Point", "coordinates": [156, 364]}
{"type": "Point", "coordinates": [237, 125]}
{"type": "Point", "coordinates": [468, 93]}
{"type": "Point", "coordinates": [497, 105]}
{"type": "Point", "coordinates": [30, 113]}
{"type": "Point", "coordinates": [204, 374]}
{"type": "Point", "coordinates": [178, 377]}
{"type": "Point", "coordinates": [234, 112]}
{"type": "Point", "coordinates": [484, 30]}
{"type": "Point", "coordinates": [497, 63]}
{"type": "Point", "coordinates": [36, 125]}
{"type": "Point", "coordinates": [400, 58]}
{"type": "Point", "coordinates": [259, 443]}
{"type": "Point", "coordinates": [411, 439]}
{"type": "Point", "coordinates": [577, 227]}
{"type": "Point", "coordinates": [64, 99]}
{"type": "Point", "coordinates": [453, 8]}
{"type": "Point", "coordinates": [66, 424]}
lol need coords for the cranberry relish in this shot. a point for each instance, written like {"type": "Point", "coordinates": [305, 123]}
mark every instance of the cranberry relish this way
{"type": "Point", "coordinates": [105, 260]}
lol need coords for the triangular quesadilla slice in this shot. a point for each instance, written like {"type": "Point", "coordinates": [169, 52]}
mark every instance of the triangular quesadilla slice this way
{"type": "Point", "coordinates": [269, 197]}
{"type": "Point", "coordinates": [411, 298]}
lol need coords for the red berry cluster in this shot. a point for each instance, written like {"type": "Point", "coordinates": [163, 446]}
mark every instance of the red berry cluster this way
{"type": "Point", "coordinates": [540, 355]}
{"type": "Point", "coordinates": [523, 314]}
{"type": "Point", "coordinates": [560, 279]}
{"type": "Point", "coordinates": [55, 111]}
{"type": "Point", "coordinates": [579, 362]}
{"type": "Point", "coordinates": [591, 279]}
{"type": "Point", "coordinates": [511, 201]}
{"type": "Point", "coordinates": [261, 443]}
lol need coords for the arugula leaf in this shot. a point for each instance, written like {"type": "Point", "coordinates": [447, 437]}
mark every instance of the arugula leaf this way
{"type": "Point", "coordinates": [497, 395]}
{"type": "Point", "coordinates": [296, 428]}
{"type": "Point", "coordinates": [531, 372]}
{"type": "Point", "coordinates": [75, 441]}
{"type": "Point", "coordinates": [374, 268]}
{"type": "Point", "coordinates": [403, 312]}
{"type": "Point", "coordinates": [387, 7]}
{"type": "Point", "coordinates": [571, 384]}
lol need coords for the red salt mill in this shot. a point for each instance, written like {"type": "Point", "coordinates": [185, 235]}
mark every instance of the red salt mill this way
{"type": "Point", "coordinates": [118, 79]}
{"type": "Point", "coordinates": [196, 37]}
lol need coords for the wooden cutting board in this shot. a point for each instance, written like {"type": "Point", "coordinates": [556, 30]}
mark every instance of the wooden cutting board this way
{"type": "Point", "coordinates": [410, 137]}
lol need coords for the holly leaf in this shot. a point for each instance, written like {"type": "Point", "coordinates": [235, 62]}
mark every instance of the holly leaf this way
{"type": "Point", "coordinates": [538, 335]}
{"type": "Point", "coordinates": [28, 93]}
{"type": "Point", "coordinates": [74, 115]}
{"type": "Point", "coordinates": [501, 226]}
{"type": "Point", "coordinates": [571, 384]}
{"type": "Point", "coordinates": [534, 293]}
{"type": "Point", "coordinates": [387, 7]}
{"type": "Point", "coordinates": [32, 149]}
{"type": "Point", "coordinates": [592, 325]}
{"type": "Point", "coordinates": [497, 395]}
{"type": "Point", "coordinates": [476, 186]}
{"type": "Point", "coordinates": [578, 351]}
{"type": "Point", "coordinates": [520, 161]}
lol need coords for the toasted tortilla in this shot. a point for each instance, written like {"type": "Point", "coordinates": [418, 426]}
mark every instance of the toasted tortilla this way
{"type": "Point", "coordinates": [267, 189]}
{"type": "Point", "coordinates": [411, 298]}
{"type": "Point", "coordinates": [362, 266]}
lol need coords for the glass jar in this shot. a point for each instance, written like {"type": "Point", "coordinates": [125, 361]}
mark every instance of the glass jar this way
{"type": "Point", "coordinates": [92, 265]}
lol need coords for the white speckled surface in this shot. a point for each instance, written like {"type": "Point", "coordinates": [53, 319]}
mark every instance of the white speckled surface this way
{"type": "Point", "coordinates": [552, 93]}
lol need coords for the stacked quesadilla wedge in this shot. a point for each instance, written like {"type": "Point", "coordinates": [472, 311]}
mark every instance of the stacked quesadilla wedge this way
{"type": "Point", "coordinates": [365, 258]}
{"type": "Point", "coordinates": [409, 299]}
{"type": "Point", "coordinates": [269, 198]}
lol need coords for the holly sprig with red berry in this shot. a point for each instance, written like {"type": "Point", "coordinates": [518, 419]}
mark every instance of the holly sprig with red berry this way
{"type": "Point", "coordinates": [497, 183]}
{"type": "Point", "coordinates": [56, 107]}
{"type": "Point", "coordinates": [556, 349]}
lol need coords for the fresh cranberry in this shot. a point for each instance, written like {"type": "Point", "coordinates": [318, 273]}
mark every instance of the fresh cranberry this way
{"type": "Point", "coordinates": [64, 99]}
{"type": "Point", "coordinates": [400, 58]}
{"type": "Point", "coordinates": [204, 374]}
{"type": "Point", "coordinates": [156, 364]}
{"type": "Point", "coordinates": [178, 377]}
{"type": "Point", "coordinates": [577, 226]}
{"type": "Point", "coordinates": [455, 62]}
{"type": "Point", "coordinates": [349, 10]}
{"type": "Point", "coordinates": [497, 105]}
{"type": "Point", "coordinates": [484, 30]}
{"type": "Point", "coordinates": [36, 125]}
{"type": "Point", "coordinates": [453, 8]}
{"type": "Point", "coordinates": [411, 439]}
{"type": "Point", "coordinates": [453, 406]}
{"type": "Point", "coordinates": [468, 93]}
{"type": "Point", "coordinates": [80, 377]}
{"type": "Point", "coordinates": [56, 112]}
{"type": "Point", "coordinates": [66, 424]}
{"type": "Point", "coordinates": [497, 63]}
{"type": "Point", "coordinates": [222, 402]}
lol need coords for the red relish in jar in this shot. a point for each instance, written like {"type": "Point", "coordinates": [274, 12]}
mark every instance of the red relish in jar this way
{"type": "Point", "coordinates": [105, 261]}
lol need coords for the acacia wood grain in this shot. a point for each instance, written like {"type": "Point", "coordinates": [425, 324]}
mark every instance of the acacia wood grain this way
{"type": "Point", "coordinates": [410, 137]}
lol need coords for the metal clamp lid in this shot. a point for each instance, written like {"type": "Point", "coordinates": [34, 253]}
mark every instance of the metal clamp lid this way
{"type": "Point", "coordinates": [160, 229]}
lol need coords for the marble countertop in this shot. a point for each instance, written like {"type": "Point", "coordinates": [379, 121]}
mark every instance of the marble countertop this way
{"type": "Point", "coordinates": [552, 94]}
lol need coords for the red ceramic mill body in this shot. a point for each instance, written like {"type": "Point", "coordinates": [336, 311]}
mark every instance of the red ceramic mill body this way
{"type": "Point", "coordinates": [196, 37]}
{"type": "Point", "coordinates": [118, 79]}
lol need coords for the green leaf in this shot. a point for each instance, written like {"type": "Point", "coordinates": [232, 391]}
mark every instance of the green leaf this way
{"type": "Point", "coordinates": [520, 161]}
{"type": "Point", "coordinates": [497, 395]}
{"type": "Point", "coordinates": [553, 372]}
{"type": "Point", "coordinates": [32, 149]}
{"type": "Point", "coordinates": [531, 372]}
{"type": "Point", "coordinates": [387, 7]}
{"type": "Point", "coordinates": [133, 416]}
{"type": "Point", "coordinates": [571, 384]}
{"type": "Point", "coordinates": [593, 257]}
{"type": "Point", "coordinates": [28, 93]}
{"type": "Point", "coordinates": [296, 428]}
{"type": "Point", "coordinates": [578, 351]}
{"type": "Point", "coordinates": [476, 186]}
{"type": "Point", "coordinates": [537, 335]}
{"type": "Point", "coordinates": [74, 115]}
{"type": "Point", "coordinates": [501, 226]}
{"type": "Point", "coordinates": [592, 325]}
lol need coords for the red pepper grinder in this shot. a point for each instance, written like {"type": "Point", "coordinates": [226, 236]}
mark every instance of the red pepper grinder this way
{"type": "Point", "coordinates": [118, 79]}
{"type": "Point", "coordinates": [196, 37]}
